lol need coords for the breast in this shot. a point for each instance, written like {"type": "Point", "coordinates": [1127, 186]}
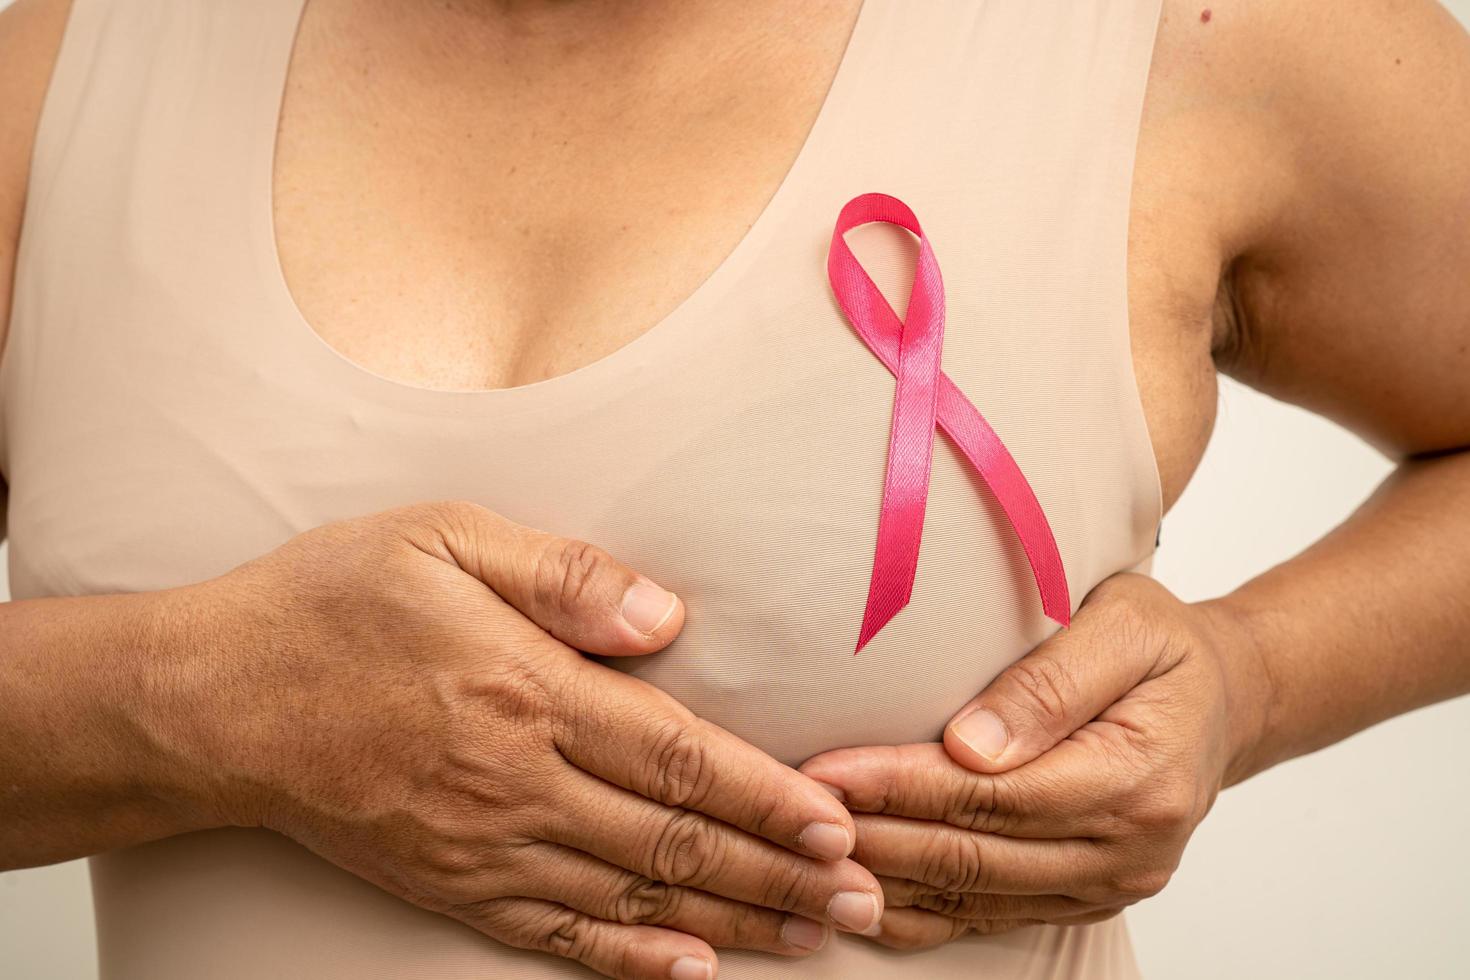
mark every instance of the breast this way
{"type": "Point", "coordinates": [741, 468]}
{"type": "Point", "coordinates": [764, 521]}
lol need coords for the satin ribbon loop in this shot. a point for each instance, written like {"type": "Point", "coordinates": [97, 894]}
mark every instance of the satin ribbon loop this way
{"type": "Point", "coordinates": [925, 397]}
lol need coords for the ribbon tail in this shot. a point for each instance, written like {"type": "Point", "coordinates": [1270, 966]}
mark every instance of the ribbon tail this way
{"type": "Point", "coordinates": [881, 608]}
{"type": "Point", "coordinates": [906, 477]}
{"type": "Point", "coordinates": [905, 496]}
{"type": "Point", "coordinates": [964, 424]}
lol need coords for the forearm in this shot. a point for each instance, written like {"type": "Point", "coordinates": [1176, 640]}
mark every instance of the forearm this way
{"type": "Point", "coordinates": [82, 768]}
{"type": "Point", "coordinates": [1370, 622]}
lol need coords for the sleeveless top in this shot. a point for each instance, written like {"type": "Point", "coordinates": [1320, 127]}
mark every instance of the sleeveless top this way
{"type": "Point", "coordinates": [166, 414]}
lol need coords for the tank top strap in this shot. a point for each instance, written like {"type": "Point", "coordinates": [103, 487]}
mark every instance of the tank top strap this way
{"type": "Point", "coordinates": [150, 143]}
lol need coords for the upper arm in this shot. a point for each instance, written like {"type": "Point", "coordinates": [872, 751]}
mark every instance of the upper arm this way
{"type": "Point", "coordinates": [30, 35]}
{"type": "Point", "coordinates": [1351, 296]}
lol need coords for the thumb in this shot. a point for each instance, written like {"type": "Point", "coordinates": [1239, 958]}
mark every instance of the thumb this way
{"type": "Point", "coordinates": [573, 590]}
{"type": "Point", "coordinates": [1045, 696]}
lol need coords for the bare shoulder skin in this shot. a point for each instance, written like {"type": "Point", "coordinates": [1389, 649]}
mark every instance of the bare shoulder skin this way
{"type": "Point", "coordinates": [30, 34]}
{"type": "Point", "coordinates": [1301, 220]}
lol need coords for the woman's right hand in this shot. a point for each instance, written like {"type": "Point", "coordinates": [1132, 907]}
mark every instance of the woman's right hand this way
{"type": "Point", "coordinates": [403, 694]}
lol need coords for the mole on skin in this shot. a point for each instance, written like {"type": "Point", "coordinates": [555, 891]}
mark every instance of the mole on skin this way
{"type": "Point", "coordinates": [1204, 16]}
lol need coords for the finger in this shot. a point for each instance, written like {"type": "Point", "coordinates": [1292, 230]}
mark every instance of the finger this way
{"type": "Point", "coordinates": [631, 734]}
{"type": "Point", "coordinates": [1063, 794]}
{"type": "Point", "coordinates": [573, 590]}
{"type": "Point", "coordinates": [615, 950]}
{"type": "Point", "coordinates": [916, 929]}
{"type": "Point", "coordinates": [953, 860]}
{"type": "Point", "coordinates": [904, 928]}
{"type": "Point", "coordinates": [604, 891]}
{"type": "Point", "coordinates": [904, 893]}
{"type": "Point", "coordinates": [681, 847]}
{"type": "Point", "coordinates": [1061, 685]}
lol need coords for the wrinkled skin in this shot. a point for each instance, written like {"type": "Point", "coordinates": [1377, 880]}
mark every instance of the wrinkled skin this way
{"type": "Point", "coordinates": [1089, 806]}
{"type": "Point", "coordinates": [406, 699]}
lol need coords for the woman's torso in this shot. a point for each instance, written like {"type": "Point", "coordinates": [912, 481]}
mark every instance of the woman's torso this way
{"type": "Point", "coordinates": [169, 409]}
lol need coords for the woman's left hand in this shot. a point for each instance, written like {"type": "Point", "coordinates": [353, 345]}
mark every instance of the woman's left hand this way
{"type": "Point", "coordinates": [1068, 788]}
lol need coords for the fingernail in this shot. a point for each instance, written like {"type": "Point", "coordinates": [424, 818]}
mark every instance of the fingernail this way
{"type": "Point", "coordinates": [646, 607]}
{"type": "Point", "coordinates": [857, 911]}
{"type": "Point", "coordinates": [804, 933]}
{"type": "Point", "coordinates": [691, 968]}
{"type": "Point", "coordinates": [984, 732]}
{"type": "Point", "coordinates": [826, 840]}
{"type": "Point", "coordinates": [834, 790]}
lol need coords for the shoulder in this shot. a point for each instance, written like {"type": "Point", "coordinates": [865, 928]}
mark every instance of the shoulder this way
{"type": "Point", "coordinates": [30, 36]}
{"type": "Point", "coordinates": [1309, 94]}
{"type": "Point", "coordinates": [1332, 144]}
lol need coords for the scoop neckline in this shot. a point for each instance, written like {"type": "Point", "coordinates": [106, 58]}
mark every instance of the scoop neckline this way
{"type": "Point", "coordinates": [311, 347]}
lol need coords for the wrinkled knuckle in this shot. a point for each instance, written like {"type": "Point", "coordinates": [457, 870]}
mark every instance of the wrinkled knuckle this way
{"type": "Point", "coordinates": [566, 573]}
{"type": "Point", "coordinates": [784, 885]}
{"type": "Point", "coordinates": [680, 771]}
{"type": "Point", "coordinates": [450, 864]}
{"type": "Point", "coordinates": [1045, 688]}
{"type": "Point", "coordinates": [558, 931]}
{"type": "Point", "coordinates": [954, 863]}
{"type": "Point", "coordinates": [956, 904]}
{"type": "Point", "coordinates": [456, 870]}
{"type": "Point", "coordinates": [772, 806]}
{"type": "Point", "coordinates": [516, 688]}
{"type": "Point", "coordinates": [566, 938]}
{"type": "Point", "coordinates": [885, 795]}
{"type": "Point", "coordinates": [646, 902]}
{"type": "Point", "coordinates": [874, 792]}
{"type": "Point", "coordinates": [982, 805]}
{"type": "Point", "coordinates": [767, 813]}
{"type": "Point", "coordinates": [687, 851]}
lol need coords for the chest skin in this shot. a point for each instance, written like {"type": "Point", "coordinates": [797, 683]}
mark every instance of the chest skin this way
{"type": "Point", "coordinates": [437, 171]}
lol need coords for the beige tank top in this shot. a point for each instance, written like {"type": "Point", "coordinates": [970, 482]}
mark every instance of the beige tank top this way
{"type": "Point", "coordinates": [166, 414]}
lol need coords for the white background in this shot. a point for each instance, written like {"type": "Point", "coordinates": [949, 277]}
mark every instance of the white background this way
{"type": "Point", "coordinates": [1348, 864]}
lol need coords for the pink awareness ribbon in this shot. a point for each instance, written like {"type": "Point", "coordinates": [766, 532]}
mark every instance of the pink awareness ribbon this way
{"type": "Point", "coordinates": [925, 395]}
